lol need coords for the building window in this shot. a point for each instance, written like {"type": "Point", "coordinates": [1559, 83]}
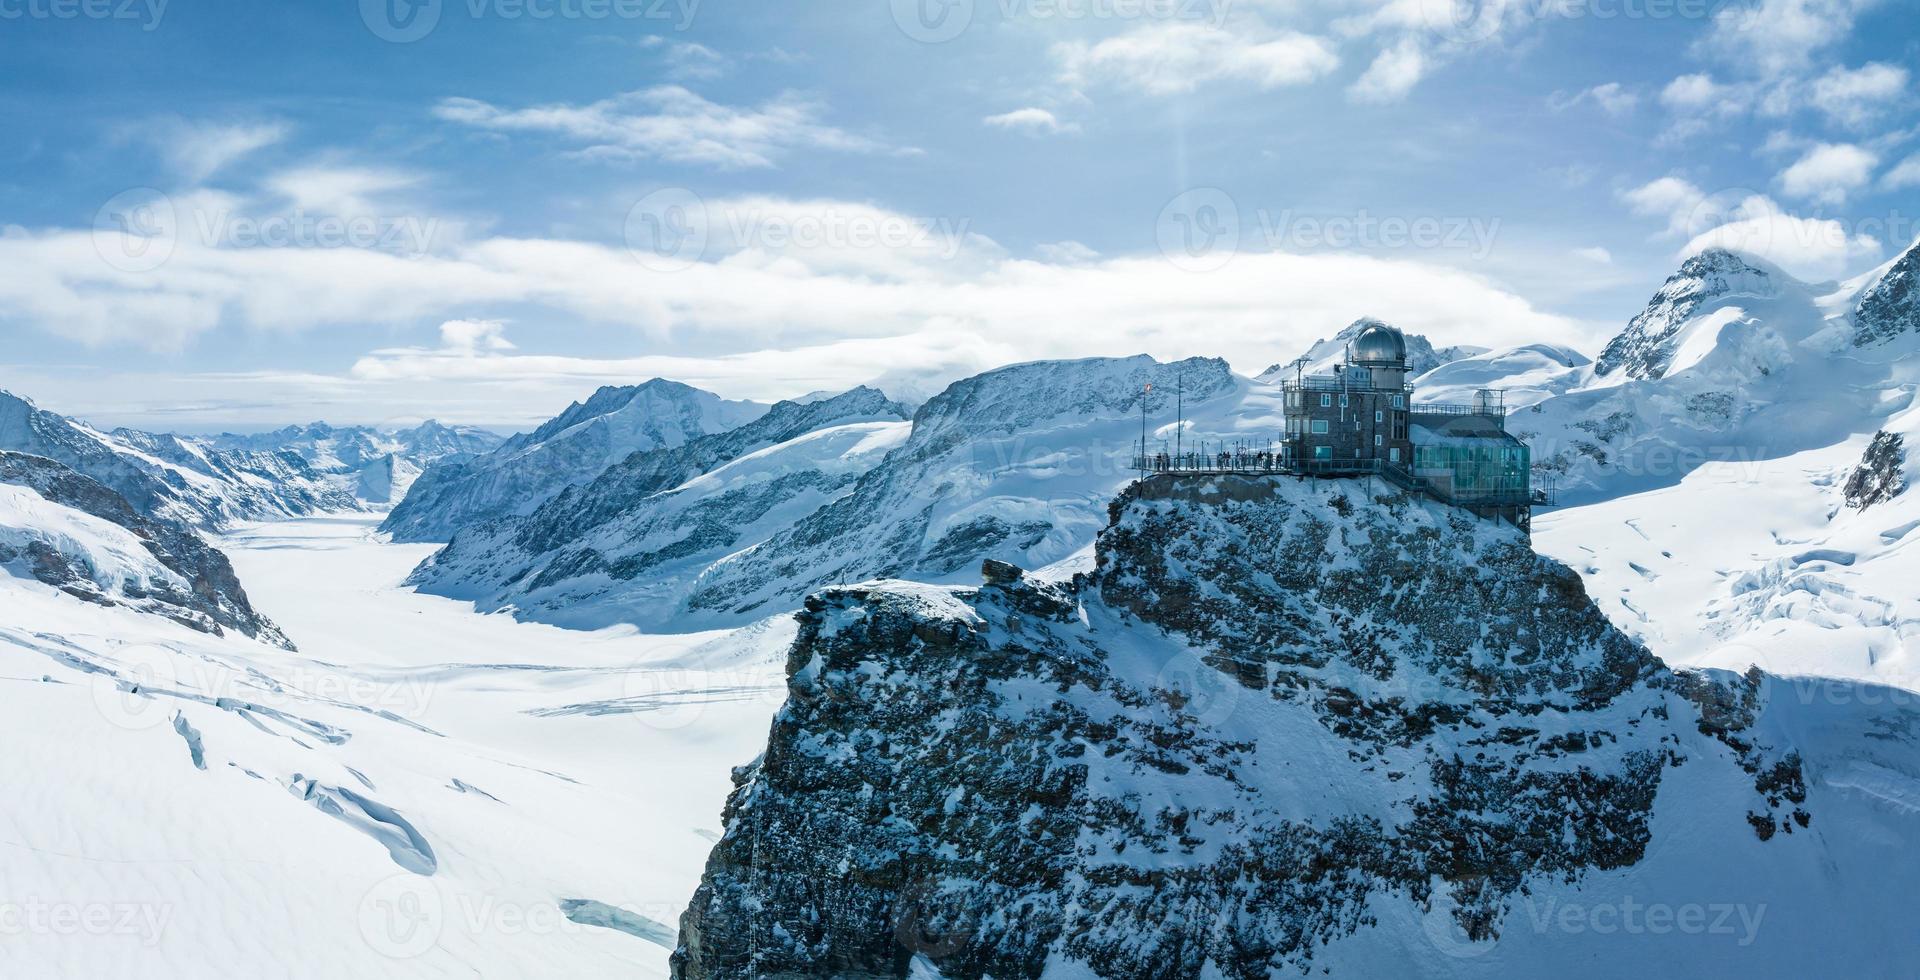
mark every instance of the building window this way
{"type": "Point", "coordinates": [1399, 401]}
{"type": "Point", "coordinates": [1319, 427]}
{"type": "Point", "coordinates": [1377, 440]}
{"type": "Point", "coordinates": [1343, 399]}
{"type": "Point", "coordinates": [1323, 452]}
{"type": "Point", "coordinates": [1379, 416]}
{"type": "Point", "coordinates": [1394, 454]}
{"type": "Point", "coordinates": [1326, 401]}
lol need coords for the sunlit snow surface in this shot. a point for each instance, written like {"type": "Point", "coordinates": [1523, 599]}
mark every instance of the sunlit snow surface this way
{"type": "Point", "coordinates": [421, 791]}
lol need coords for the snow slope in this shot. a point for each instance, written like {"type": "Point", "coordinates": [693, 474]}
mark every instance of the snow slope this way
{"type": "Point", "coordinates": [421, 792]}
{"type": "Point", "coordinates": [570, 449]}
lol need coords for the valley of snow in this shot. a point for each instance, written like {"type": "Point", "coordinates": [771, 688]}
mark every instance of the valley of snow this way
{"type": "Point", "coordinates": [420, 791]}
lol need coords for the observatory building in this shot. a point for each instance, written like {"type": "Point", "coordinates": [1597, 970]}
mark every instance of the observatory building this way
{"type": "Point", "coordinates": [1362, 419]}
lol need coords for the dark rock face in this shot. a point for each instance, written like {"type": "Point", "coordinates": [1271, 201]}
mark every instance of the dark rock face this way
{"type": "Point", "coordinates": [1892, 307]}
{"type": "Point", "coordinates": [215, 601]}
{"type": "Point", "coordinates": [1263, 715]}
{"type": "Point", "coordinates": [1879, 476]}
{"type": "Point", "coordinates": [1646, 348]}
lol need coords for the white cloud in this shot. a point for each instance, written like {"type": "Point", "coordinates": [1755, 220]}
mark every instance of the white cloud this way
{"type": "Point", "coordinates": [1031, 119]}
{"type": "Point", "coordinates": [1172, 57]}
{"type": "Point", "coordinates": [687, 59]}
{"type": "Point", "coordinates": [1829, 172]}
{"type": "Point", "coordinates": [1394, 73]}
{"type": "Point", "coordinates": [1594, 253]}
{"type": "Point", "coordinates": [1855, 96]}
{"type": "Point", "coordinates": [197, 150]}
{"type": "Point", "coordinates": [669, 122]}
{"type": "Point", "coordinates": [1669, 198]}
{"type": "Point", "coordinates": [1811, 248]}
{"type": "Point", "coordinates": [1903, 175]}
{"type": "Point", "coordinates": [1066, 253]}
{"type": "Point", "coordinates": [339, 190]}
{"type": "Point", "coordinates": [1613, 98]}
{"type": "Point", "coordinates": [761, 299]}
{"type": "Point", "coordinates": [1815, 249]}
{"type": "Point", "coordinates": [472, 336]}
{"type": "Point", "coordinates": [1772, 39]}
{"type": "Point", "coordinates": [1700, 93]}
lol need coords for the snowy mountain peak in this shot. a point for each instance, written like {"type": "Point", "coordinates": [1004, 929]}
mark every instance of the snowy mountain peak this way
{"type": "Point", "coordinates": [1024, 397]}
{"type": "Point", "coordinates": [1646, 347]}
{"type": "Point", "coordinates": [1320, 358]}
{"type": "Point", "coordinates": [1891, 307]}
{"type": "Point", "coordinates": [570, 449]}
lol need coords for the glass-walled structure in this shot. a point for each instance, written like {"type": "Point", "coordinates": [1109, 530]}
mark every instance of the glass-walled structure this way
{"type": "Point", "coordinates": [1477, 471]}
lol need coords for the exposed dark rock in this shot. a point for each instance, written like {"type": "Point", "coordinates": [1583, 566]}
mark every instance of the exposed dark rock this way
{"type": "Point", "coordinates": [1881, 474]}
{"type": "Point", "coordinates": [1892, 307]}
{"type": "Point", "coordinates": [1109, 773]}
{"type": "Point", "coordinates": [213, 601]}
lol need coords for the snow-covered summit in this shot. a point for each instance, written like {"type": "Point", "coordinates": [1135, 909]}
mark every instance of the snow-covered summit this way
{"type": "Point", "coordinates": [1647, 347]}
{"type": "Point", "coordinates": [570, 449]}
{"type": "Point", "coordinates": [1324, 355]}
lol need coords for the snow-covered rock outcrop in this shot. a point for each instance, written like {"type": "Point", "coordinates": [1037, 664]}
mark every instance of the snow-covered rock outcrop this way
{"type": "Point", "coordinates": [1880, 476]}
{"type": "Point", "coordinates": [1280, 728]}
{"type": "Point", "coordinates": [627, 546]}
{"type": "Point", "coordinates": [79, 536]}
{"type": "Point", "coordinates": [168, 477]}
{"type": "Point", "coordinates": [572, 448]}
{"type": "Point", "coordinates": [1015, 464]}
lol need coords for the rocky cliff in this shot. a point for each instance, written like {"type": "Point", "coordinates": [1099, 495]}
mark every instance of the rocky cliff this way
{"type": "Point", "coordinates": [1281, 727]}
{"type": "Point", "coordinates": [77, 535]}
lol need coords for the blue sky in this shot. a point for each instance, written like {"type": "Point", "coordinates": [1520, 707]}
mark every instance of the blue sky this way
{"type": "Point", "coordinates": [237, 215]}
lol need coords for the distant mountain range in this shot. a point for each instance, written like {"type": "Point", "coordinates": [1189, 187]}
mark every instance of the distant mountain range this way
{"type": "Point", "coordinates": [572, 448]}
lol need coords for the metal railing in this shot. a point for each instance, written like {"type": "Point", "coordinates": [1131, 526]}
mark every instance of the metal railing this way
{"type": "Point", "coordinates": [1262, 463]}
{"type": "Point", "coordinates": [1447, 408]}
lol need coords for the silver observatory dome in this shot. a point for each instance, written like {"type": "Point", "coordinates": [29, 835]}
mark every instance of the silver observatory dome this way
{"type": "Point", "coordinates": [1379, 345]}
